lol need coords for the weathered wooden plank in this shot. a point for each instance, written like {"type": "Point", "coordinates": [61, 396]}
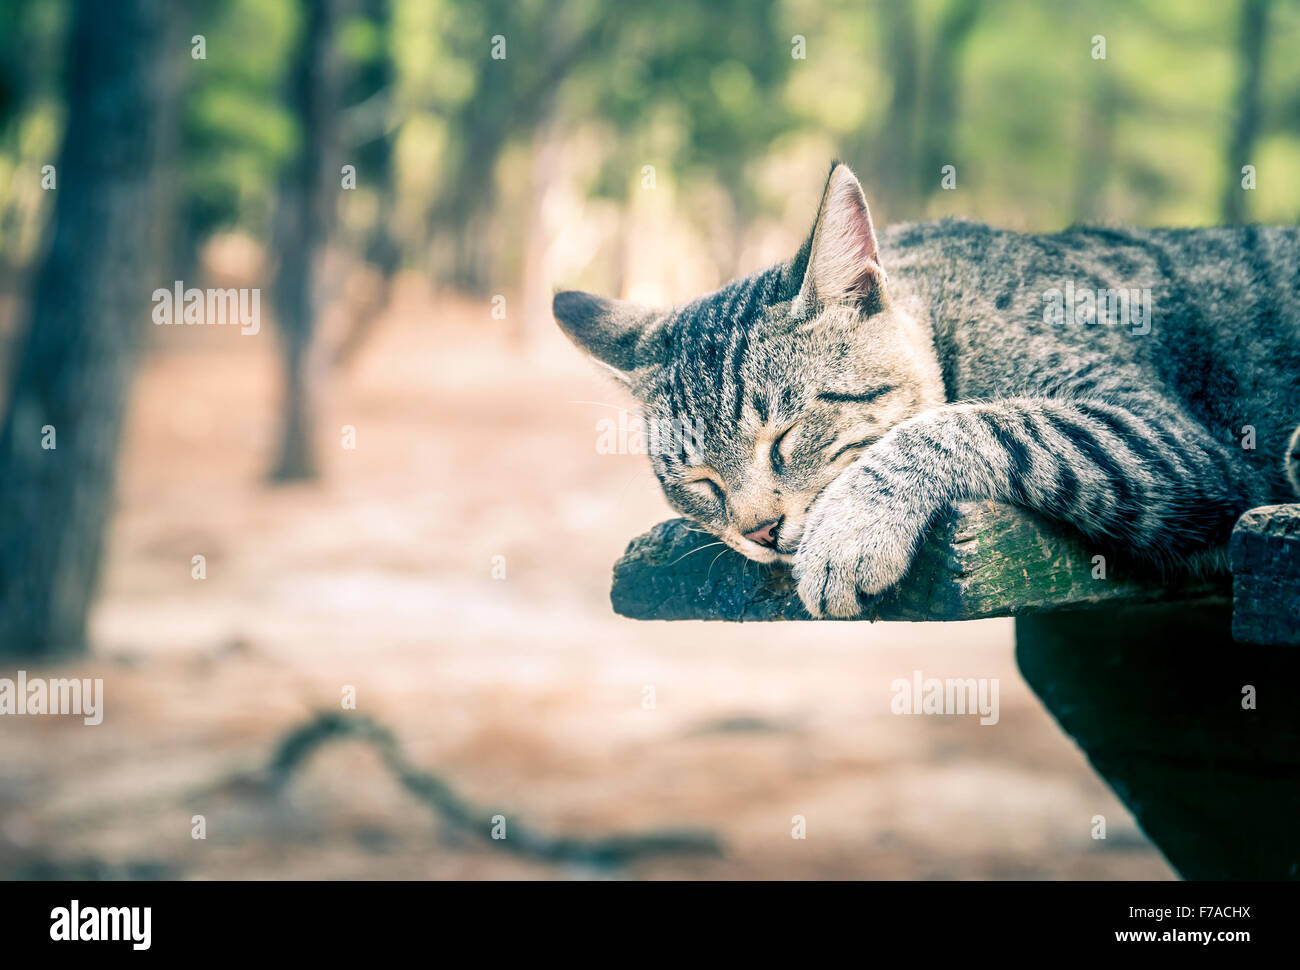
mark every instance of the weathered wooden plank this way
{"type": "Point", "coordinates": [982, 559]}
{"type": "Point", "coordinates": [1265, 553]}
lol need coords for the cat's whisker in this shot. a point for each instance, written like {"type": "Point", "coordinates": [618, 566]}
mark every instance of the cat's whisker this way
{"type": "Point", "coordinates": [709, 545]}
{"type": "Point", "coordinates": [631, 481]}
{"type": "Point", "coordinates": [708, 574]}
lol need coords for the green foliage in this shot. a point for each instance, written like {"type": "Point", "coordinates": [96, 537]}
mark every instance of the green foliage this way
{"type": "Point", "coordinates": [235, 132]}
{"type": "Point", "coordinates": [1041, 133]}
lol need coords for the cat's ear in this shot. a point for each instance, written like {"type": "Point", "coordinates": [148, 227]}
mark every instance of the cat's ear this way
{"type": "Point", "coordinates": [612, 331]}
{"type": "Point", "coordinates": [842, 261]}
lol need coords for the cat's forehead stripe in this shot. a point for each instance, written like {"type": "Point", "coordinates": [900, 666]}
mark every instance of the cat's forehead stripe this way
{"type": "Point", "coordinates": [711, 345]}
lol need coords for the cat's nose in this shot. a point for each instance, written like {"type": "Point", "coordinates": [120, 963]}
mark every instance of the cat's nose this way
{"type": "Point", "coordinates": [766, 535]}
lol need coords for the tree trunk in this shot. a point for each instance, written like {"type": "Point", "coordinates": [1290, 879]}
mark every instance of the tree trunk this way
{"type": "Point", "coordinates": [73, 363]}
{"type": "Point", "coordinates": [461, 213]}
{"type": "Point", "coordinates": [374, 87]}
{"type": "Point", "coordinates": [1095, 156]}
{"type": "Point", "coordinates": [506, 105]}
{"type": "Point", "coordinates": [535, 313]}
{"type": "Point", "coordinates": [939, 139]}
{"type": "Point", "coordinates": [305, 217]}
{"type": "Point", "coordinates": [890, 153]}
{"type": "Point", "coordinates": [1252, 29]}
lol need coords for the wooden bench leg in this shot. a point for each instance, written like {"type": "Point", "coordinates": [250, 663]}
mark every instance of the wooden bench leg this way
{"type": "Point", "coordinates": [1160, 699]}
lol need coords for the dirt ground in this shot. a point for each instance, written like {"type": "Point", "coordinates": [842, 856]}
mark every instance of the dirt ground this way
{"type": "Point", "coordinates": [525, 693]}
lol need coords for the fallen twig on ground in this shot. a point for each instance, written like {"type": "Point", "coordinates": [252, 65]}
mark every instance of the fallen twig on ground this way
{"type": "Point", "coordinates": [299, 744]}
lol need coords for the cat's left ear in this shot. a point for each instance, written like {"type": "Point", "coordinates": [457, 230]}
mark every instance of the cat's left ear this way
{"type": "Point", "coordinates": [843, 260]}
{"type": "Point", "coordinates": [615, 332]}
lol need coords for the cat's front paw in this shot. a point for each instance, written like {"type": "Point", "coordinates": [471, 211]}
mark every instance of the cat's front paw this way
{"type": "Point", "coordinates": [859, 542]}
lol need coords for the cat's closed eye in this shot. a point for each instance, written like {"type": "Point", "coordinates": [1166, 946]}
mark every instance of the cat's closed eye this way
{"type": "Point", "coordinates": [706, 487]}
{"type": "Point", "coordinates": [858, 445]}
{"type": "Point", "coordinates": [782, 444]}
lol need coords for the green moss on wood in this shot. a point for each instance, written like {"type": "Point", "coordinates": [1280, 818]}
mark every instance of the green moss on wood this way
{"type": "Point", "coordinates": [981, 560]}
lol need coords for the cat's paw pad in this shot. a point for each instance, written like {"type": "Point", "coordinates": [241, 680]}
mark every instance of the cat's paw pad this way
{"type": "Point", "coordinates": [855, 547]}
{"type": "Point", "coordinates": [844, 575]}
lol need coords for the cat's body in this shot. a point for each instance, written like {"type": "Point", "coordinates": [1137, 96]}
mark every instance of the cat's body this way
{"type": "Point", "coordinates": [837, 408]}
{"type": "Point", "coordinates": [1223, 340]}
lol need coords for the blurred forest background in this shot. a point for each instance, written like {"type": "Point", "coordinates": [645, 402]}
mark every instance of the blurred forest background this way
{"type": "Point", "coordinates": [499, 147]}
{"type": "Point", "coordinates": [407, 180]}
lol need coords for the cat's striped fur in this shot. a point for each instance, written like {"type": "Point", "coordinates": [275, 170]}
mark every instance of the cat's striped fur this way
{"type": "Point", "coordinates": [836, 408]}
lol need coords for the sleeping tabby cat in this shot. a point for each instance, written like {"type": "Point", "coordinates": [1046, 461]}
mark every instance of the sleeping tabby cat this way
{"type": "Point", "coordinates": [1142, 386]}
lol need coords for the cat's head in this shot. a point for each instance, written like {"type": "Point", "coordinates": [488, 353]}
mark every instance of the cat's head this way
{"type": "Point", "coordinates": [758, 395]}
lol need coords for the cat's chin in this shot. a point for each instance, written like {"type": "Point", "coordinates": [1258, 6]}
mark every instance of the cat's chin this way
{"type": "Point", "coordinates": [752, 550]}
